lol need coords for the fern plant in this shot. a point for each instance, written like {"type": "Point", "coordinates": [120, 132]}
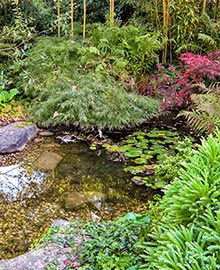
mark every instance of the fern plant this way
{"type": "Point", "coordinates": [128, 48]}
{"type": "Point", "coordinates": [205, 114]}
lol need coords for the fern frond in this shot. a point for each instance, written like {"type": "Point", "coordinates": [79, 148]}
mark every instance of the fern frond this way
{"type": "Point", "coordinates": [206, 112]}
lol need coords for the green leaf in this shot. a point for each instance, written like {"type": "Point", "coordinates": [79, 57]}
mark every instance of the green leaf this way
{"type": "Point", "coordinates": [135, 152]}
{"type": "Point", "coordinates": [142, 160]}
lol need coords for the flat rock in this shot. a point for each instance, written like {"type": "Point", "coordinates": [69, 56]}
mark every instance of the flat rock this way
{"type": "Point", "coordinates": [47, 161]}
{"type": "Point", "coordinates": [15, 136]}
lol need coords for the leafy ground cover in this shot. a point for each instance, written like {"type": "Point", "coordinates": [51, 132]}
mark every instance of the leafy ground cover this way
{"type": "Point", "coordinates": [104, 245]}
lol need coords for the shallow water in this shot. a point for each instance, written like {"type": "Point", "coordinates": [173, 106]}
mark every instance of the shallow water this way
{"type": "Point", "coordinates": [83, 186]}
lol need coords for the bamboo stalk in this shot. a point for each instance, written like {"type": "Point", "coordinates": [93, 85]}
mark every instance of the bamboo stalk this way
{"type": "Point", "coordinates": [84, 19]}
{"type": "Point", "coordinates": [204, 5]}
{"type": "Point", "coordinates": [72, 18]}
{"type": "Point", "coordinates": [112, 11]}
{"type": "Point", "coordinates": [166, 17]}
{"type": "Point", "coordinates": [58, 18]}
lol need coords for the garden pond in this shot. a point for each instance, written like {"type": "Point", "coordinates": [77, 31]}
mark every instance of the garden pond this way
{"type": "Point", "coordinates": [84, 185]}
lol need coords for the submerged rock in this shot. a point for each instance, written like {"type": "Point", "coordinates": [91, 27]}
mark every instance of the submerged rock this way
{"type": "Point", "coordinates": [74, 200]}
{"type": "Point", "coordinates": [47, 161]}
{"type": "Point", "coordinates": [15, 136]}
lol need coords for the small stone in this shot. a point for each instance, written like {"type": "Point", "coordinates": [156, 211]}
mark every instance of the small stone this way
{"type": "Point", "coordinates": [45, 133]}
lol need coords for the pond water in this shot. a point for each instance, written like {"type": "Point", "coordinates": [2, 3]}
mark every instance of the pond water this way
{"type": "Point", "coordinates": [83, 186]}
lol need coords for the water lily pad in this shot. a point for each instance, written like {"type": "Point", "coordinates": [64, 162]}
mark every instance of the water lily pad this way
{"type": "Point", "coordinates": [111, 148]}
{"type": "Point", "coordinates": [142, 160]}
{"type": "Point", "coordinates": [134, 152]}
{"type": "Point", "coordinates": [138, 180]}
{"type": "Point", "coordinates": [134, 169]}
{"type": "Point", "coordinates": [156, 134]}
{"type": "Point", "coordinates": [131, 141]}
{"type": "Point", "coordinates": [140, 133]}
{"type": "Point", "coordinates": [143, 144]}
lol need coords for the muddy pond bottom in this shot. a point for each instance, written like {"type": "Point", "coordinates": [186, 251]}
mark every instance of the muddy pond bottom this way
{"type": "Point", "coordinates": [61, 181]}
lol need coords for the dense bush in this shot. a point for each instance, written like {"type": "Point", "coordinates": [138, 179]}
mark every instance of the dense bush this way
{"type": "Point", "coordinates": [175, 84]}
{"type": "Point", "coordinates": [187, 236]}
{"type": "Point", "coordinates": [99, 100]}
{"type": "Point", "coordinates": [91, 102]}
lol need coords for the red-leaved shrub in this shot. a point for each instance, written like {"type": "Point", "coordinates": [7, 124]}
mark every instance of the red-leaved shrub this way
{"type": "Point", "coordinates": [174, 85]}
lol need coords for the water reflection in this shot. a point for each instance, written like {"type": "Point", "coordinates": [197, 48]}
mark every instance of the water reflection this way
{"type": "Point", "coordinates": [15, 181]}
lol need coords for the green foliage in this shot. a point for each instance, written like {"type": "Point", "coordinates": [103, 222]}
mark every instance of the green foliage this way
{"type": "Point", "coordinates": [7, 96]}
{"type": "Point", "coordinates": [105, 245]}
{"type": "Point", "coordinates": [126, 48]}
{"type": "Point", "coordinates": [188, 234]}
{"type": "Point", "coordinates": [169, 167]}
{"type": "Point", "coordinates": [89, 102]}
{"type": "Point", "coordinates": [205, 115]}
{"type": "Point", "coordinates": [144, 149]}
{"type": "Point", "coordinates": [189, 26]}
{"type": "Point", "coordinates": [86, 93]}
{"type": "Point", "coordinates": [15, 38]}
{"type": "Point", "coordinates": [114, 245]}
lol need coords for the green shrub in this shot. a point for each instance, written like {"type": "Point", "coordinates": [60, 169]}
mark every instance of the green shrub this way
{"type": "Point", "coordinates": [55, 67]}
{"type": "Point", "coordinates": [128, 48]}
{"type": "Point", "coordinates": [169, 168]}
{"type": "Point", "coordinates": [91, 102]}
{"type": "Point", "coordinates": [188, 234]}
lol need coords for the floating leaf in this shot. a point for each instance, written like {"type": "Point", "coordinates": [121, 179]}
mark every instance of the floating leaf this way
{"type": "Point", "coordinates": [138, 180]}
{"type": "Point", "coordinates": [134, 169]}
{"type": "Point", "coordinates": [131, 141]}
{"type": "Point", "coordinates": [156, 134]}
{"type": "Point", "coordinates": [135, 152]}
{"type": "Point", "coordinates": [139, 133]}
{"type": "Point", "coordinates": [142, 160]}
{"type": "Point", "coordinates": [92, 147]}
{"type": "Point", "coordinates": [111, 148]}
{"type": "Point", "coordinates": [143, 144]}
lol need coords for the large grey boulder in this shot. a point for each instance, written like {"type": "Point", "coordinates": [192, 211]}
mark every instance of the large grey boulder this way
{"type": "Point", "coordinates": [15, 136]}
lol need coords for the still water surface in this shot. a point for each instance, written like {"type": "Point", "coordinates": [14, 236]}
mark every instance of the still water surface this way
{"type": "Point", "coordinates": [82, 186]}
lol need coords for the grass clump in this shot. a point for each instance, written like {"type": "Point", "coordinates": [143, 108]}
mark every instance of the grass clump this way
{"type": "Point", "coordinates": [187, 236]}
